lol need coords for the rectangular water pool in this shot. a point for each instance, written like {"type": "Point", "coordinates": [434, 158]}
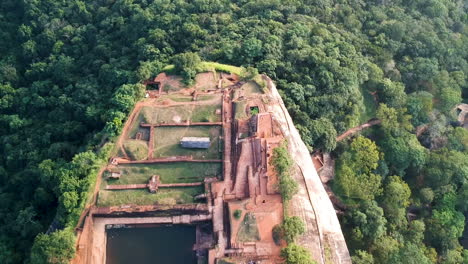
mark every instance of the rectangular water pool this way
{"type": "Point", "coordinates": [151, 245]}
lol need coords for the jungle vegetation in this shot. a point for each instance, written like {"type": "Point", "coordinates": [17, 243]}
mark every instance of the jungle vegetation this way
{"type": "Point", "coordinates": [70, 73]}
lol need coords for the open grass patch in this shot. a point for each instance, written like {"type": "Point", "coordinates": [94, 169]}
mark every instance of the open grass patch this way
{"type": "Point", "coordinates": [177, 113]}
{"type": "Point", "coordinates": [167, 196]}
{"type": "Point", "coordinates": [239, 108]}
{"type": "Point", "coordinates": [136, 149]}
{"type": "Point", "coordinates": [167, 142]}
{"type": "Point", "coordinates": [248, 231]}
{"type": "Point", "coordinates": [178, 172]}
{"type": "Point", "coordinates": [168, 114]}
{"type": "Point", "coordinates": [144, 115]}
{"type": "Point", "coordinates": [180, 98]}
{"type": "Point", "coordinates": [209, 66]}
{"type": "Point", "coordinates": [206, 113]}
{"type": "Point", "coordinates": [251, 87]}
{"type": "Point", "coordinates": [205, 97]}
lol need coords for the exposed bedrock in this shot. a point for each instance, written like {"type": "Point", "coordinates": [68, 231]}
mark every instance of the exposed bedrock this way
{"type": "Point", "coordinates": [323, 236]}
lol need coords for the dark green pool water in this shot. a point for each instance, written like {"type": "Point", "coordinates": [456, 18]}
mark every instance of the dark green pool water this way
{"type": "Point", "coordinates": [152, 245]}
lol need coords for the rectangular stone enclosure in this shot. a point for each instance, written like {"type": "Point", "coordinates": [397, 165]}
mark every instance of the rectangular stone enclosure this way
{"type": "Point", "coordinates": [195, 142]}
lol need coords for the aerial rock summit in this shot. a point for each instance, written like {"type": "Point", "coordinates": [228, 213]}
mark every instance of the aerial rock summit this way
{"type": "Point", "coordinates": [218, 153]}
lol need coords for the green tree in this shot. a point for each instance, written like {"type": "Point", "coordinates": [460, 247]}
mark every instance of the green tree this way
{"type": "Point", "coordinates": [354, 171]}
{"type": "Point", "coordinates": [249, 73]}
{"type": "Point", "coordinates": [410, 254]}
{"type": "Point", "coordinates": [415, 232]}
{"type": "Point", "coordinates": [419, 106]}
{"type": "Point", "coordinates": [392, 93]}
{"type": "Point", "coordinates": [148, 69]}
{"type": "Point", "coordinates": [322, 134]}
{"type": "Point", "coordinates": [458, 139]}
{"type": "Point", "coordinates": [462, 200]}
{"type": "Point", "coordinates": [426, 195]}
{"type": "Point", "coordinates": [362, 257]}
{"type": "Point", "coordinates": [403, 152]}
{"type": "Point", "coordinates": [446, 167]}
{"type": "Point", "coordinates": [453, 256]}
{"type": "Point", "coordinates": [55, 248]}
{"type": "Point", "coordinates": [446, 224]}
{"type": "Point", "coordinates": [295, 254]}
{"type": "Point", "coordinates": [293, 227]}
{"type": "Point", "coordinates": [369, 223]}
{"type": "Point", "coordinates": [187, 65]}
{"type": "Point", "coordinates": [388, 116]}
{"type": "Point", "coordinates": [395, 200]}
{"type": "Point", "coordinates": [126, 96]}
{"type": "Point", "coordinates": [384, 248]}
{"type": "Point", "coordinates": [283, 165]}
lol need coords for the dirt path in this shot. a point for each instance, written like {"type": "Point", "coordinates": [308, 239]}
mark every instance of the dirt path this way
{"type": "Point", "coordinates": [244, 163]}
{"type": "Point", "coordinates": [94, 198]}
{"type": "Point", "coordinates": [132, 116]}
{"type": "Point", "coordinates": [354, 130]}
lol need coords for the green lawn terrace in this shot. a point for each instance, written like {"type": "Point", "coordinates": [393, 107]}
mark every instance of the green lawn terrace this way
{"type": "Point", "coordinates": [208, 111]}
{"type": "Point", "coordinates": [172, 122]}
{"type": "Point", "coordinates": [151, 144]}
{"type": "Point", "coordinates": [177, 172]}
{"type": "Point", "coordinates": [167, 142]}
{"type": "Point", "coordinates": [170, 196]}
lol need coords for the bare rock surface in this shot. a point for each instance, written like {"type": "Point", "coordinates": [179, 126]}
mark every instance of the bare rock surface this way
{"type": "Point", "coordinates": [323, 237]}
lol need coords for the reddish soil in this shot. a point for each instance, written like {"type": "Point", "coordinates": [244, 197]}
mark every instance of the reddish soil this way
{"type": "Point", "coordinates": [206, 80]}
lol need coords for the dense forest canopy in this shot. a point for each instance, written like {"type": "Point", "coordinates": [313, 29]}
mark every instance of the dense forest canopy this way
{"type": "Point", "coordinates": [69, 74]}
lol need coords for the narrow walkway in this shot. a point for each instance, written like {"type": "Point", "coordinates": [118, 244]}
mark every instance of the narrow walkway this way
{"type": "Point", "coordinates": [354, 130]}
{"type": "Point", "coordinates": [126, 187]}
{"type": "Point", "coordinates": [245, 158]}
{"type": "Point", "coordinates": [169, 185]}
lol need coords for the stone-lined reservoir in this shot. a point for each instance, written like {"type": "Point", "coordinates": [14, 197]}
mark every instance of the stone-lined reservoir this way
{"type": "Point", "coordinates": [161, 244]}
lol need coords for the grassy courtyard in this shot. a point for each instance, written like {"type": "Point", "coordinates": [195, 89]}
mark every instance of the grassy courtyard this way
{"type": "Point", "coordinates": [248, 230]}
{"type": "Point", "coordinates": [136, 149]}
{"type": "Point", "coordinates": [178, 172]}
{"type": "Point", "coordinates": [251, 87]}
{"type": "Point", "coordinates": [166, 142]}
{"type": "Point", "coordinates": [178, 113]}
{"type": "Point", "coordinates": [167, 196]}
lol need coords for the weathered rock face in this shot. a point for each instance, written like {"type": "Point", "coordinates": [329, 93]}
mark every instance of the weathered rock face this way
{"type": "Point", "coordinates": [323, 236]}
